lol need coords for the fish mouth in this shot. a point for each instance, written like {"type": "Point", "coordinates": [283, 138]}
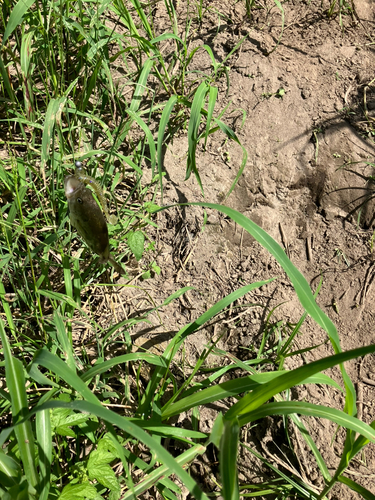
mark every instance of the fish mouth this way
{"type": "Point", "coordinates": [71, 184]}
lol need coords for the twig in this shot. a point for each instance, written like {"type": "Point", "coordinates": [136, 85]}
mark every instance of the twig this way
{"type": "Point", "coordinates": [284, 238]}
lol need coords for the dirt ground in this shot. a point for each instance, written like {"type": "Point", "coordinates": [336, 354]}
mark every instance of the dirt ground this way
{"type": "Point", "coordinates": [310, 110]}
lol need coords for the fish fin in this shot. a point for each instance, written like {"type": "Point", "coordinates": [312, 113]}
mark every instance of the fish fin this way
{"type": "Point", "coordinates": [117, 267]}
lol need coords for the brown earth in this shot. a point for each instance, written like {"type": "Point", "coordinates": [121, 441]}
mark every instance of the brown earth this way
{"type": "Point", "coordinates": [295, 188]}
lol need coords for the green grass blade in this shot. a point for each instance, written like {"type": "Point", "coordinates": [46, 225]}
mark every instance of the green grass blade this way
{"type": "Point", "coordinates": [303, 408]}
{"type": "Point", "coordinates": [69, 287]}
{"type": "Point", "coordinates": [166, 36]}
{"type": "Point", "coordinates": [194, 122]}
{"type": "Point", "coordinates": [232, 388]}
{"type": "Point", "coordinates": [210, 111]}
{"type": "Point", "coordinates": [58, 297]}
{"type": "Point", "coordinates": [141, 85]}
{"type": "Point", "coordinates": [15, 380]}
{"type": "Point", "coordinates": [98, 368]}
{"type": "Point", "coordinates": [88, 116]}
{"type": "Point", "coordinates": [44, 438]}
{"type": "Point", "coordinates": [149, 137]}
{"type": "Point", "coordinates": [39, 377]}
{"type": "Point", "coordinates": [359, 444]}
{"type": "Point", "coordinates": [167, 430]}
{"type": "Point", "coordinates": [53, 114]}
{"type": "Point", "coordinates": [6, 308]}
{"type": "Point", "coordinates": [161, 132]}
{"type": "Point", "coordinates": [261, 394]}
{"type": "Point", "coordinates": [16, 17]}
{"type": "Point", "coordinates": [10, 471]}
{"type": "Point", "coordinates": [231, 135]}
{"type": "Point", "coordinates": [228, 460]}
{"type": "Point", "coordinates": [6, 80]}
{"type": "Point", "coordinates": [281, 9]}
{"type": "Point", "coordinates": [65, 342]}
{"type": "Point", "coordinates": [366, 494]}
{"type": "Point", "coordinates": [302, 490]}
{"type": "Point", "coordinates": [146, 483]}
{"type": "Point", "coordinates": [56, 365]}
{"type": "Point", "coordinates": [310, 442]}
{"type": "Point", "coordinates": [26, 51]}
{"type": "Point", "coordinates": [208, 49]}
{"type": "Point", "coordinates": [143, 18]}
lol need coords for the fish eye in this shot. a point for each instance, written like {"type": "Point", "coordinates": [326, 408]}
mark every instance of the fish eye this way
{"type": "Point", "coordinates": [78, 164]}
{"type": "Point", "coordinates": [79, 200]}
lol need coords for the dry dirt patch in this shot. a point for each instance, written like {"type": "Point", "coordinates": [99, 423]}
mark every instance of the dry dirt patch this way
{"type": "Point", "coordinates": [310, 106]}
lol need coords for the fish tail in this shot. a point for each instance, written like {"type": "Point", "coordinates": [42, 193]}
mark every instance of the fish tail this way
{"type": "Point", "coordinates": [117, 267]}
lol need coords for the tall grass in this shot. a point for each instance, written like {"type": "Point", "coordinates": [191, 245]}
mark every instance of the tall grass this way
{"type": "Point", "coordinates": [71, 430]}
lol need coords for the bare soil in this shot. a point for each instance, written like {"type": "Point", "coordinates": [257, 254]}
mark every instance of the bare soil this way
{"type": "Point", "coordinates": [295, 188]}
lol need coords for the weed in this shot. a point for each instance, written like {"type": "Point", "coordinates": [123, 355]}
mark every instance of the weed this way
{"type": "Point", "coordinates": [344, 7]}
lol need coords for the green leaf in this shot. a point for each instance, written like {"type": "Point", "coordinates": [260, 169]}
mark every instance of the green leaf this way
{"type": "Point", "coordinates": [44, 438]}
{"type": "Point", "coordinates": [231, 135]}
{"type": "Point", "coordinates": [366, 494]}
{"type": "Point", "coordinates": [101, 456]}
{"type": "Point", "coordinates": [6, 80]}
{"type": "Point", "coordinates": [318, 411]}
{"type": "Point", "coordinates": [233, 388]}
{"type": "Point", "coordinates": [10, 470]}
{"type": "Point", "coordinates": [166, 36]}
{"type": "Point", "coordinates": [359, 443]}
{"type": "Point", "coordinates": [15, 380]}
{"type": "Point", "coordinates": [65, 430]}
{"type": "Point", "coordinates": [280, 7]}
{"type": "Point", "coordinates": [263, 393]}
{"type": "Point", "coordinates": [149, 137]}
{"type": "Point", "coordinates": [26, 53]}
{"type": "Point", "coordinates": [16, 17]}
{"type": "Point", "coordinates": [217, 431]}
{"type": "Point", "coordinates": [53, 115]}
{"type": "Point", "coordinates": [210, 111]}
{"type": "Point", "coordinates": [161, 131]}
{"type": "Point", "coordinates": [104, 366]}
{"type": "Point", "coordinates": [105, 476]}
{"type": "Point", "coordinates": [150, 479]}
{"type": "Point", "coordinates": [59, 297]}
{"type": "Point", "coordinates": [228, 460]}
{"type": "Point", "coordinates": [78, 491]}
{"type": "Point", "coordinates": [156, 268]}
{"type": "Point", "coordinates": [167, 430]}
{"type": "Point", "coordinates": [57, 365]}
{"type": "Point", "coordinates": [136, 242]}
{"type": "Point", "coordinates": [64, 340]}
{"type": "Point", "coordinates": [194, 122]}
{"type": "Point", "coordinates": [137, 99]}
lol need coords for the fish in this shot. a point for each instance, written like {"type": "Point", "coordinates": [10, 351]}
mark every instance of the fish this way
{"type": "Point", "coordinates": [88, 219]}
{"type": "Point", "coordinates": [87, 179]}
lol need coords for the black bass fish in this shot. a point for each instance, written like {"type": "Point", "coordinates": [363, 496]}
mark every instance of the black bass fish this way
{"type": "Point", "coordinates": [87, 217]}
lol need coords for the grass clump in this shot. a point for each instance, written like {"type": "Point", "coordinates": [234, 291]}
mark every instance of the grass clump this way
{"type": "Point", "coordinates": [76, 430]}
{"type": "Point", "coordinates": [74, 411]}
